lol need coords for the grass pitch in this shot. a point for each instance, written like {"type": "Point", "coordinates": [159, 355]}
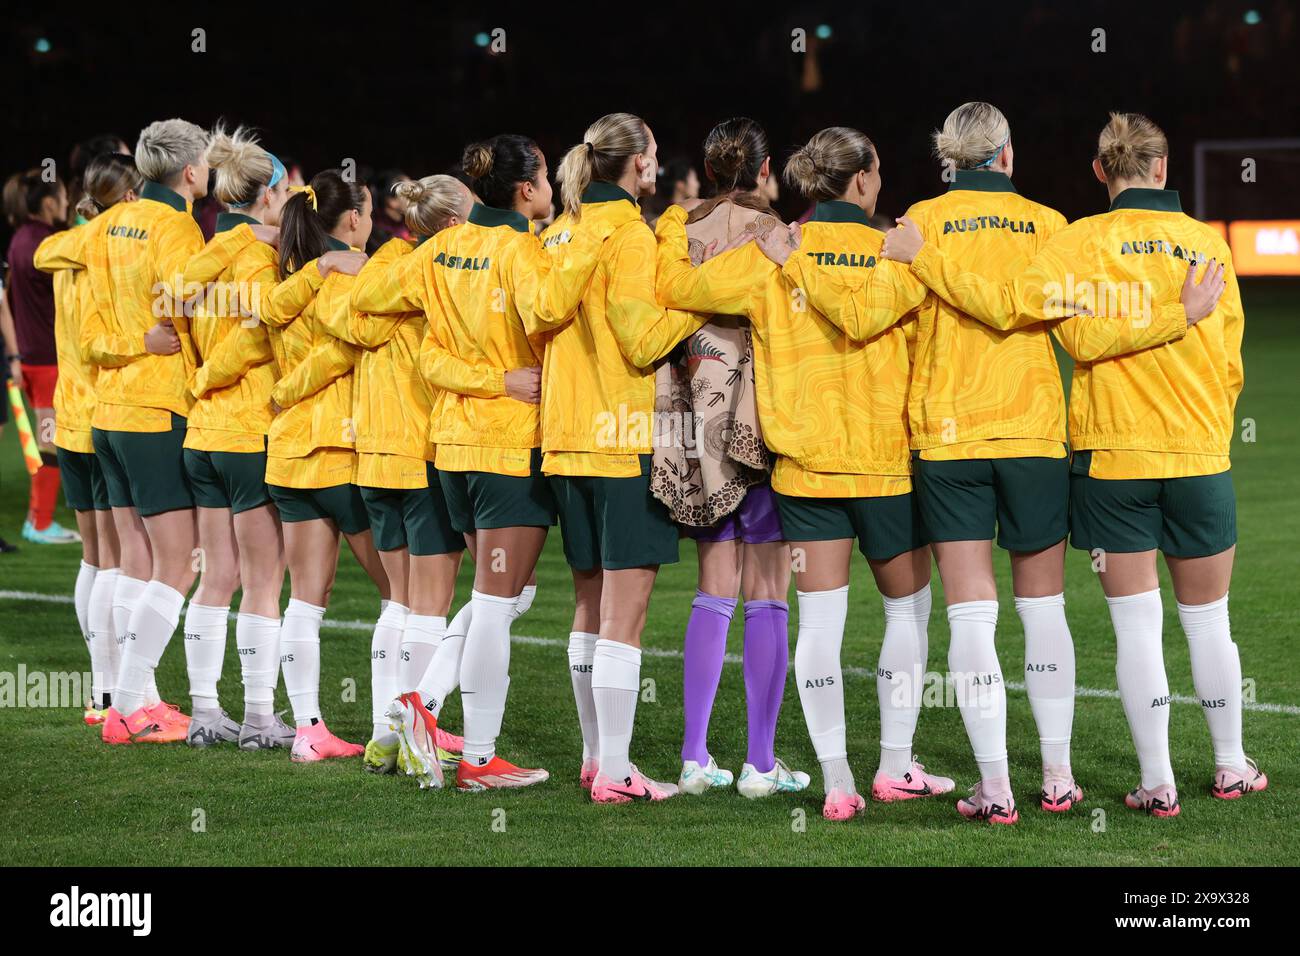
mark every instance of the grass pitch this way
{"type": "Point", "coordinates": [65, 799]}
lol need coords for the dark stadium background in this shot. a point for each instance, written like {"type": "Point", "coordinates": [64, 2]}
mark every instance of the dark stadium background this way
{"type": "Point", "coordinates": [406, 86]}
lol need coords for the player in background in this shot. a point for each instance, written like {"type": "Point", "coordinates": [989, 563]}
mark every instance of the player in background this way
{"type": "Point", "coordinates": [832, 408]}
{"type": "Point", "coordinates": [310, 449]}
{"type": "Point", "coordinates": [713, 472]}
{"type": "Point", "coordinates": [135, 261]}
{"type": "Point", "coordinates": [597, 416]}
{"type": "Point", "coordinates": [32, 299]}
{"type": "Point", "coordinates": [107, 179]}
{"type": "Point", "coordinates": [225, 449]}
{"type": "Point", "coordinates": [1151, 420]}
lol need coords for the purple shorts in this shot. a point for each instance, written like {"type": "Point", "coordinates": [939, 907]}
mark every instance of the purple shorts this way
{"type": "Point", "coordinates": [756, 521]}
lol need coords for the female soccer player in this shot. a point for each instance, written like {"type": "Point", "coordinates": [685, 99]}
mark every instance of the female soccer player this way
{"type": "Point", "coordinates": [418, 547]}
{"type": "Point", "coordinates": [715, 479]}
{"type": "Point", "coordinates": [597, 408]}
{"type": "Point", "coordinates": [473, 283]}
{"type": "Point", "coordinates": [225, 450]}
{"type": "Point", "coordinates": [1151, 418]}
{"type": "Point", "coordinates": [107, 180]}
{"type": "Point", "coordinates": [135, 257]}
{"type": "Point", "coordinates": [832, 410]}
{"type": "Point", "coordinates": [990, 456]}
{"type": "Point", "coordinates": [310, 450]}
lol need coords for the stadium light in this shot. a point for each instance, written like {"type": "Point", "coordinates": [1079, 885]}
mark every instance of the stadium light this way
{"type": "Point", "coordinates": [42, 45]}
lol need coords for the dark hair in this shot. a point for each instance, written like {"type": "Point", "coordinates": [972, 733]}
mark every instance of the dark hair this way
{"type": "Point", "coordinates": [106, 179]}
{"type": "Point", "coordinates": [676, 170]}
{"type": "Point", "coordinates": [36, 189]}
{"type": "Point", "coordinates": [89, 149]}
{"type": "Point", "coordinates": [734, 152]}
{"type": "Point", "coordinates": [497, 165]}
{"type": "Point", "coordinates": [382, 183]}
{"type": "Point", "coordinates": [304, 231]}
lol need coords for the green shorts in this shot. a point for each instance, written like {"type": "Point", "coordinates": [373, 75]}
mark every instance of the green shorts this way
{"type": "Point", "coordinates": [480, 499]}
{"type": "Point", "coordinates": [613, 523]}
{"type": "Point", "coordinates": [84, 486]}
{"type": "Point", "coordinates": [1182, 517]}
{"type": "Point", "coordinates": [145, 470]}
{"type": "Point", "coordinates": [1025, 500]}
{"type": "Point", "coordinates": [228, 479]}
{"type": "Point", "coordinates": [412, 518]}
{"type": "Point", "coordinates": [341, 504]}
{"type": "Point", "coordinates": [885, 526]}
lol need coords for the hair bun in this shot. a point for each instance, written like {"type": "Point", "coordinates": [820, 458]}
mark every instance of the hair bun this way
{"type": "Point", "coordinates": [477, 160]}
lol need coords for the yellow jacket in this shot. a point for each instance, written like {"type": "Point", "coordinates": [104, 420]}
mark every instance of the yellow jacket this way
{"type": "Point", "coordinates": [1160, 396]}
{"type": "Point", "coordinates": [315, 391]}
{"type": "Point", "coordinates": [476, 282]}
{"type": "Point", "coordinates": [74, 396]}
{"type": "Point", "coordinates": [135, 259]}
{"type": "Point", "coordinates": [232, 389]}
{"type": "Point", "coordinates": [598, 369]}
{"type": "Point", "coordinates": [831, 408]}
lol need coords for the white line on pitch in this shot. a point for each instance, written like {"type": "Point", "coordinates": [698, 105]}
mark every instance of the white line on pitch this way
{"type": "Point", "coordinates": [339, 625]}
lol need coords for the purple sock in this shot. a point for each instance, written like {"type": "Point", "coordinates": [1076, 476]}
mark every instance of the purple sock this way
{"type": "Point", "coordinates": [767, 658]}
{"type": "Point", "coordinates": [706, 643]}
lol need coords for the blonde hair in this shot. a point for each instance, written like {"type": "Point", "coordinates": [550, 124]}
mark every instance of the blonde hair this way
{"type": "Point", "coordinates": [823, 168]}
{"type": "Point", "coordinates": [432, 201]}
{"type": "Point", "coordinates": [243, 168]}
{"type": "Point", "coordinates": [108, 177]}
{"type": "Point", "coordinates": [1128, 145]}
{"type": "Point", "coordinates": [602, 155]}
{"type": "Point", "coordinates": [166, 147]}
{"type": "Point", "coordinates": [972, 135]}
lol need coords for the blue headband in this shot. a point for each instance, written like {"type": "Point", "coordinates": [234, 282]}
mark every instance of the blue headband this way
{"type": "Point", "coordinates": [989, 161]}
{"type": "Point", "coordinates": [277, 173]}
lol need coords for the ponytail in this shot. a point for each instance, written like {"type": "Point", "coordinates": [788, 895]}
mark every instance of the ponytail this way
{"type": "Point", "coordinates": [107, 178]}
{"type": "Point", "coordinates": [602, 155]}
{"type": "Point", "coordinates": [311, 214]}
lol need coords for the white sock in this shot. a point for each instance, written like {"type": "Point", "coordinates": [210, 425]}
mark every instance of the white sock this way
{"type": "Point", "coordinates": [151, 627]}
{"type": "Point", "coordinates": [300, 659]}
{"type": "Point", "coordinates": [442, 675]}
{"type": "Point", "coordinates": [126, 594]}
{"type": "Point", "coordinates": [615, 685]}
{"type": "Point", "coordinates": [485, 674]}
{"type": "Point", "coordinates": [81, 601]}
{"type": "Point", "coordinates": [205, 651]}
{"type": "Point", "coordinates": [582, 649]}
{"type": "Point", "coordinates": [258, 641]}
{"type": "Point", "coordinates": [525, 600]}
{"type": "Point", "coordinates": [981, 696]}
{"type": "Point", "coordinates": [103, 640]}
{"type": "Point", "coordinates": [899, 677]}
{"type": "Point", "coordinates": [820, 677]}
{"type": "Point", "coordinates": [385, 665]}
{"type": "Point", "coordinates": [420, 641]}
{"type": "Point", "coordinates": [1216, 674]}
{"type": "Point", "coordinates": [1049, 674]}
{"type": "Point", "coordinates": [1138, 620]}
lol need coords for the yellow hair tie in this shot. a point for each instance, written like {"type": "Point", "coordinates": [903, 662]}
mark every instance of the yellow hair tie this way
{"type": "Point", "coordinates": [311, 194]}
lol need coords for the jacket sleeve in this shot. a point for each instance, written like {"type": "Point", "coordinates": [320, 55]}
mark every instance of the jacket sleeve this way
{"type": "Point", "coordinates": [723, 285]}
{"type": "Point", "coordinates": [291, 296]}
{"type": "Point", "coordinates": [334, 307]}
{"type": "Point", "coordinates": [861, 304]}
{"type": "Point", "coordinates": [208, 263]}
{"type": "Point", "coordinates": [548, 287]}
{"type": "Point", "coordinates": [446, 371]}
{"type": "Point", "coordinates": [231, 359]}
{"type": "Point", "coordinates": [102, 343]}
{"type": "Point", "coordinates": [327, 361]}
{"type": "Point", "coordinates": [1234, 327]}
{"type": "Point", "coordinates": [62, 250]}
{"type": "Point", "coordinates": [378, 282]}
{"type": "Point", "coordinates": [390, 287]}
{"type": "Point", "coordinates": [645, 330]}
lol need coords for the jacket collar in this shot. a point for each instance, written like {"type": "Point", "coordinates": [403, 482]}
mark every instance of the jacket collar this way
{"type": "Point", "coordinates": [229, 220]}
{"type": "Point", "coordinates": [490, 216]}
{"type": "Point", "coordinates": [160, 193]}
{"type": "Point", "coordinates": [606, 192]}
{"type": "Point", "coordinates": [837, 210]}
{"type": "Point", "coordinates": [981, 180]}
{"type": "Point", "coordinates": [336, 245]}
{"type": "Point", "coordinates": [1157, 200]}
